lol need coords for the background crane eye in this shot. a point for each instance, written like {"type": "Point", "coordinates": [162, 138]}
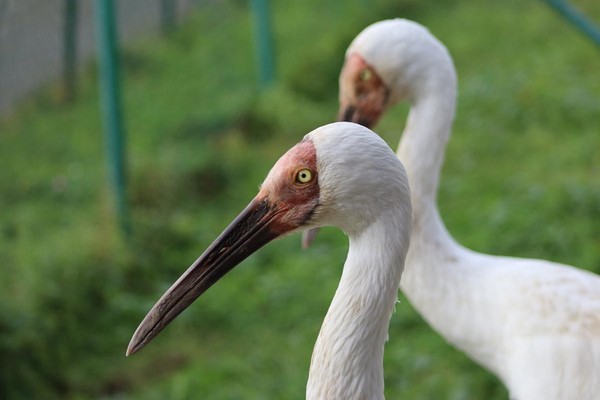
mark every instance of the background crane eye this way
{"type": "Point", "coordinates": [365, 74]}
{"type": "Point", "coordinates": [304, 176]}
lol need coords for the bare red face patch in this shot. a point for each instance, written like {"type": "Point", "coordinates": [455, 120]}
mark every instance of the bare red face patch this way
{"type": "Point", "coordinates": [292, 186]}
{"type": "Point", "coordinates": [363, 94]}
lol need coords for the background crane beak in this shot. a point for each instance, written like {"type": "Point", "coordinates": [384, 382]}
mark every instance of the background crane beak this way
{"type": "Point", "coordinates": [364, 117]}
{"type": "Point", "coordinates": [254, 227]}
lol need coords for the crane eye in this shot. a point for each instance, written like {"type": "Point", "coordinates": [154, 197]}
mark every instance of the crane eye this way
{"type": "Point", "coordinates": [304, 176]}
{"type": "Point", "coordinates": [365, 74]}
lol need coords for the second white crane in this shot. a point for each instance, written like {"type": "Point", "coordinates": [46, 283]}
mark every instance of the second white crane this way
{"type": "Point", "coordinates": [534, 323]}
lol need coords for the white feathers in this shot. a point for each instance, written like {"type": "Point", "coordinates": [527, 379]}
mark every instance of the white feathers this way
{"type": "Point", "coordinates": [401, 37]}
{"type": "Point", "coordinates": [348, 178]}
{"type": "Point", "coordinates": [534, 323]}
{"type": "Point", "coordinates": [363, 191]}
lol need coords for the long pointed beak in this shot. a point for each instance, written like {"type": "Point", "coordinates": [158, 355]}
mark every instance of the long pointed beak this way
{"type": "Point", "coordinates": [254, 227]}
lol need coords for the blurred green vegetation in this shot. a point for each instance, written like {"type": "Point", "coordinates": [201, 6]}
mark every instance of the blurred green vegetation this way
{"type": "Point", "coordinates": [522, 178]}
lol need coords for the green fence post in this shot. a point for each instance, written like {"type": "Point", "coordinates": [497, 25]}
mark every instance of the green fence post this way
{"type": "Point", "coordinates": [168, 13]}
{"type": "Point", "coordinates": [576, 18]}
{"type": "Point", "coordinates": [264, 41]}
{"type": "Point", "coordinates": [106, 41]}
{"type": "Point", "coordinates": [70, 48]}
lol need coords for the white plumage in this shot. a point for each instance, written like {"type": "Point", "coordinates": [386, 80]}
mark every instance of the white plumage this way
{"type": "Point", "coordinates": [534, 323]}
{"type": "Point", "coordinates": [340, 175]}
{"type": "Point", "coordinates": [361, 198]}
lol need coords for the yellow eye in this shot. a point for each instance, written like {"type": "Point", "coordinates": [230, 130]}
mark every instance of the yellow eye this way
{"type": "Point", "coordinates": [365, 74]}
{"type": "Point", "coordinates": [304, 176]}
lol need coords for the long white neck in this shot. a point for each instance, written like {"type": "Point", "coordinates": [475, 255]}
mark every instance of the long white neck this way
{"type": "Point", "coordinates": [422, 148]}
{"type": "Point", "coordinates": [347, 361]}
{"type": "Point", "coordinates": [424, 139]}
{"type": "Point", "coordinates": [439, 279]}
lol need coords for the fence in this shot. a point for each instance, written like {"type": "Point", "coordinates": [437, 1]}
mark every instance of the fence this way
{"type": "Point", "coordinates": [42, 40]}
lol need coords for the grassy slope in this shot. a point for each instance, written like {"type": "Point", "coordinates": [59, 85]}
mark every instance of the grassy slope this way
{"type": "Point", "coordinates": [521, 178]}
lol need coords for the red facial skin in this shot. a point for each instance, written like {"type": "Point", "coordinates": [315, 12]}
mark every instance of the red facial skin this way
{"type": "Point", "coordinates": [292, 201]}
{"type": "Point", "coordinates": [363, 94]}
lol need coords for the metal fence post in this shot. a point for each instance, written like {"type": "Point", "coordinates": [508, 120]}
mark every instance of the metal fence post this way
{"type": "Point", "coordinates": [576, 18]}
{"type": "Point", "coordinates": [264, 41]}
{"type": "Point", "coordinates": [168, 13]}
{"type": "Point", "coordinates": [110, 92]}
{"type": "Point", "coordinates": [70, 48]}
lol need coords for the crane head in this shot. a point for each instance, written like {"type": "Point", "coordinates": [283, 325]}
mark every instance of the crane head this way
{"type": "Point", "coordinates": [285, 202]}
{"type": "Point", "coordinates": [340, 175]}
{"type": "Point", "coordinates": [363, 95]}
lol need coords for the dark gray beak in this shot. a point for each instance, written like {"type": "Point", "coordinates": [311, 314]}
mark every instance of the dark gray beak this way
{"type": "Point", "coordinates": [254, 227]}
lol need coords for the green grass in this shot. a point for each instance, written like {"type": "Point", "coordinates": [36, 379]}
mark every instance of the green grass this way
{"type": "Point", "coordinates": [520, 179]}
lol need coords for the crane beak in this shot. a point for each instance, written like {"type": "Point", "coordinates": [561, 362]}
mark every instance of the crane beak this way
{"type": "Point", "coordinates": [254, 227]}
{"type": "Point", "coordinates": [366, 117]}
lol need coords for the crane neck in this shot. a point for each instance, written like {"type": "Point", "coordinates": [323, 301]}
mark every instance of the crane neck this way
{"type": "Point", "coordinates": [431, 281]}
{"type": "Point", "coordinates": [423, 142]}
{"type": "Point", "coordinates": [347, 361]}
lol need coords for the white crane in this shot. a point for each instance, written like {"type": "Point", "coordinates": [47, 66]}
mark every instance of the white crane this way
{"type": "Point", "coordinates": [534, 323]}
{"type": "Point", "coordinates": [341, 175]}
